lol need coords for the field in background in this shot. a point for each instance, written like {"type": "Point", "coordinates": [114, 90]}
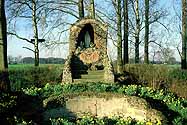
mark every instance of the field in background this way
{"type": "Point", "coordinates": [12, 66]}
{"type": "Point", "coordinates": [27, 75]}
{"type": "Point", "coordinates": [169, 77]}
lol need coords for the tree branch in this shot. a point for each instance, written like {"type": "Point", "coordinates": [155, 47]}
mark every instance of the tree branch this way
{"type": "Point", "coordinates": [19, 37]}
{"type": "Point", "coordinates": [29, 49]}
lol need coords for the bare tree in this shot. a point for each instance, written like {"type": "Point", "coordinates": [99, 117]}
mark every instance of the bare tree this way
{"type": "Point", "coordinates": [184, 34]}
{"type": "Point", "coordinates": [3, 39]}
{"type": "Point", "coordinates": [119, 35]}
{"type": "Point", "coordinates": [81, 9]}
{"type": "Point", "coordinates": [35, 29]}
{"type": "Point", "coordinates": [4, 80]}
{"type": "Point", "coordinates": [25, 8]}
{"type": "Point", "coordinates": [146, 38]}
{"type": "Point", "coordinates": [92, 9]}
{"type": "Point", "coordinates": [137, 31]}
{"type": "Point", "coordinates": [39, 12]}
{"type": "Point", "coordinates": [136, 21]}
{"type": "Point", "coordinates": [167, 54]}
{"type": "Point", "coordinates": [126, 32]}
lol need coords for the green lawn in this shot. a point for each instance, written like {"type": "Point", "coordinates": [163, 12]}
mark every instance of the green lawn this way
{"type": "Point", "coordinates": [13, 66]}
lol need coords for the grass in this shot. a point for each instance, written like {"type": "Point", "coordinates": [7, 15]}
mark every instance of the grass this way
{"type": "Point", "coordinates": [160, 76]}
{"type": "Point", "coordinates": [41, 84]}
{"type": "Point", "coordinates": [174, 108]}
{"type": "Point", "coordinates": [23, 66]}
{"type": "Point", "coordinates": [156, 76]}
{"type": "Point", "coordinates": [22, 76]}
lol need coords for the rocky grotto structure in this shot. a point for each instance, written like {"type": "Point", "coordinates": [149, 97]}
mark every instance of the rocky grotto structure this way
{"type": "Point", "coordinates": [88, 59]}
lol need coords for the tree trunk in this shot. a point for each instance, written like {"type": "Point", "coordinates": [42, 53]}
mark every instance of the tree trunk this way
{"type": "Point", "coordinates": [146, 39]}
{"type": "Point", "coordinates": [4, 80]}
{"type": "Point", "coordinates": [35, 29]}
{"type": "Point", "coordinates": [137, 32]}
{"type": "Point", "coordinates": [119, 44]}
{"type": "Point", "coordinates": [81, 9]}
{"type": "Point", "coordinates": [137, 60]}
{"type": "Point", "coordinates": [125, 42]}
{"type": "Point", "coordinates": [184, 34]}
{"type": "Point", "coordinates": [3, 39]}
{"type": "Point", "coordinates": [92, 9]}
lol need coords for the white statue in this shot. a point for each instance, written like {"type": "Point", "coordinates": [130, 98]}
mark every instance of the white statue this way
{"type": "Point", "coordinates": [87, 39]}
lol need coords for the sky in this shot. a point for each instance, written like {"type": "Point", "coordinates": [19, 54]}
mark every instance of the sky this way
{"type": "Point", "coordinates": [15, 46]}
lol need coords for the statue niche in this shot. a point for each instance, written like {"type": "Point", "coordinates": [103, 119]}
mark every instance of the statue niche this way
{"type": "Point", "coordinates": [86, 37]}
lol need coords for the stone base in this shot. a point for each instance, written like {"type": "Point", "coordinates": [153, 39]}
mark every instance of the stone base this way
{"type": "Point", "coordinates": [125, 106]}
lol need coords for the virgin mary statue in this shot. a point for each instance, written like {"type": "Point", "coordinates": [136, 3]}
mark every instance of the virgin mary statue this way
{"type": "Point", "coordinates": [87, 39]}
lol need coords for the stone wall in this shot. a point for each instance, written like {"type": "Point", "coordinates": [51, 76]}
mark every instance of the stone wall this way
{"type": "Point", "coordinates": [94, 55]}
{"type": "Point", "coordinates": [67, 74]}
{"type": "Point", "coordinates": [92, 58]}
{"type": "Point", "coordinates": [109, 70]}
{"type": "Point", "coordinates": [126, 106]}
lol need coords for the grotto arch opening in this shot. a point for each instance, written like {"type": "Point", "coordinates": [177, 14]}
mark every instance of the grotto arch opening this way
{"type": "Point", "coordinates": [86, 37]}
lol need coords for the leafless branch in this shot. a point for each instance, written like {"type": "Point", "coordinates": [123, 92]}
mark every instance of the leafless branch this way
{"type": "Point", "coordinates": [29, 49]}
{"type": "Point", "coordinates": [19, 37]}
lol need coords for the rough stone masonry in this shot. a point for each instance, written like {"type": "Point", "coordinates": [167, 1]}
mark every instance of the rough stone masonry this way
{"type": "Point", "coordinates": [87, 50]}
